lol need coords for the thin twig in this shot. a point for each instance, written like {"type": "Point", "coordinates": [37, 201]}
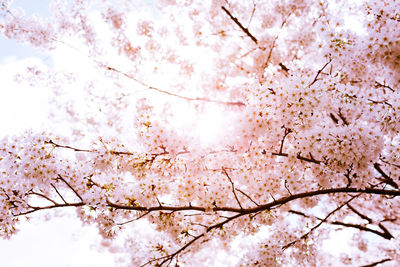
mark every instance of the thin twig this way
{"type": "Point", "coordinates": [203, 99]}
{"type": "Point", "coordinates": [43, 196]}
{"type": "Point", "coordinates": [248, 197]}
{"type": "Point", "coordinates": [58, 193]}
{"type": "Point", "coordinates": [386, 178]}
{"type": "Point", "coordinates": [76, 193]}
{"type": "Point", "coordinates": [319, 72]}
{"type": "Point", "coordinates": [233, 187]}
{"type": "Point", "coordinates": [320, 223]}
{"type": "Point", "coordinates": [135, 219]}
{"type": "Point", "coordinates": [245, 30]}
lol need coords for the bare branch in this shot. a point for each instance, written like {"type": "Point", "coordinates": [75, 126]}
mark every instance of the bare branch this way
{"type": "Point", "coordinates": [385, 233]}
{"type": "Point", "coordinates": [245, 30]}
{"type": "Point", "coordinates": [273, 46]}
{"type": "Point", "coordinates": [267, 206]}
{"type": "Point", "coordinates": [319, 72]}
{"type": "Point", "coordinates": [312, 160]}
{"type": "Point", "coordinates": [69, 147]}
{"type": "Point", "coordinates": [359, 213]}
{"type": "Point", "coordinates": [43, 196]}
{"type": "Point", "coordinates": [383, 85]}
{"type": "Point", "coordinates": [386, 178]}
{"type": "Point", "coordinates": [203, 99]}
{"type": "Point", "coordinates": [58, 193]}
{"type": "Point", "coordinates": [286, 132]}
{"type": "Point", "coordinates": [342, 117]}
{"type": "Point", "coordinates": [290, 193]}
{"type": "Point", "coordinates": [376, 263]}
{"type": "Point", "coordinates": [76, 193]}
{"type": "Point", "coordinates": [248, 197]}
{"type": "Point", "coordinates": [138, 218]}
{"type": "Point", "coordinates": [320, 223]}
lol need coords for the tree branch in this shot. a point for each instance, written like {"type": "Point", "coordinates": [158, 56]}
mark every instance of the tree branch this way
{"type": "Point", "coordinates": [386, 178]}
{"type": "Point", "coordinates": [245, 30]}
{"type": "Point", "coordinates": [203, 99]}
{"type": "Point", "coordinates": [319, 72]}
{"type": "Point", "coordinates": [304, 236]}
{"type": "Point", "coordinates": [376, 263]}
{"type": "Point", "coordinates": [233, 187]}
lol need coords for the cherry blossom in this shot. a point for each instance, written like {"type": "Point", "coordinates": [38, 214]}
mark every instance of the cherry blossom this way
{"type": "Point", "coordinates": [257, 129]}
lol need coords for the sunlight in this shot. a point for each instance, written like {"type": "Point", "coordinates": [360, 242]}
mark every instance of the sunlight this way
{"type": "Point", "coordinates": [210, 125]}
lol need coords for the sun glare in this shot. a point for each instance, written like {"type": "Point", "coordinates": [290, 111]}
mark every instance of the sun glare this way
{"type": "Point", "coordinates": [210, 125]}
{"type": "Point", "coordinates": [205, 126]}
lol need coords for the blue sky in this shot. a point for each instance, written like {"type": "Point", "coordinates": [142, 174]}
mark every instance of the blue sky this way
{"type": "Point", "coordinates": [10, 48]}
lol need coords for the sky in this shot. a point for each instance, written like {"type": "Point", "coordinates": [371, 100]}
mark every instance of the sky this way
{"type": "Point", "coordinates": [60, 241]}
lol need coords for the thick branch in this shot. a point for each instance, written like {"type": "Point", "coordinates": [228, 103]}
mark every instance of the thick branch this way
{"type": "Point", "coordinates": [267, 206]}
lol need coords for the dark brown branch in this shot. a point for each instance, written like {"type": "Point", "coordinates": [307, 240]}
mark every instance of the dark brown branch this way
{"type": "Point", "coordinates": [380, 85]}
{"type": "Point", "coordinates": [384, 161]}
{"type": "Point", "coordinates": [287, 189]}
{"type": "Point", "coordinates": [245, 30]}
{"type": "Point", "coordinates": [347, 175]}
{"type": "Point", "coordinates": [35, 208]}
{"type": "Point", "coordinates": [58, 193]}
{"type": "Point", "coordinates": [267, 206]}
{"type": "Point", "coordinates": [312, 160]}
{"type": "Point", "coordinates": [69, 147]}
{"type": "Point", "coordinates": [286, 132]}
{"type": "Point", "coordinates": [240, 211]}
{"type": "Point", "coordinates": [319, 72]}
{"type": "Point", "coordinates": [334, 119]}
{"type": "Point", "coordinates": [304, 236]}
{"type": "Point", "coordinates": [135, 219]}
{"type": "Point", "coordinates": [385, 234]}
{"type": "Point", "coordinates": [73, 190]}
{"type": "Point", "coordinates": [43, 196]}
{"type": "Point", "coordinates": [362, 216]}
{"type": "Point", "coordinates": [386, 179]}
{"type": "Point", "coordinates": [342, 117]}
{"type": "Point", "coordinates": [376, 263]}
{"type": "Point", "coordinates": [170, 257]}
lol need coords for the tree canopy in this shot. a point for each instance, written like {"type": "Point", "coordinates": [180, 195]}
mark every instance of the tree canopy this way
{"type": "Point", "coordinates": [194, 132]}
